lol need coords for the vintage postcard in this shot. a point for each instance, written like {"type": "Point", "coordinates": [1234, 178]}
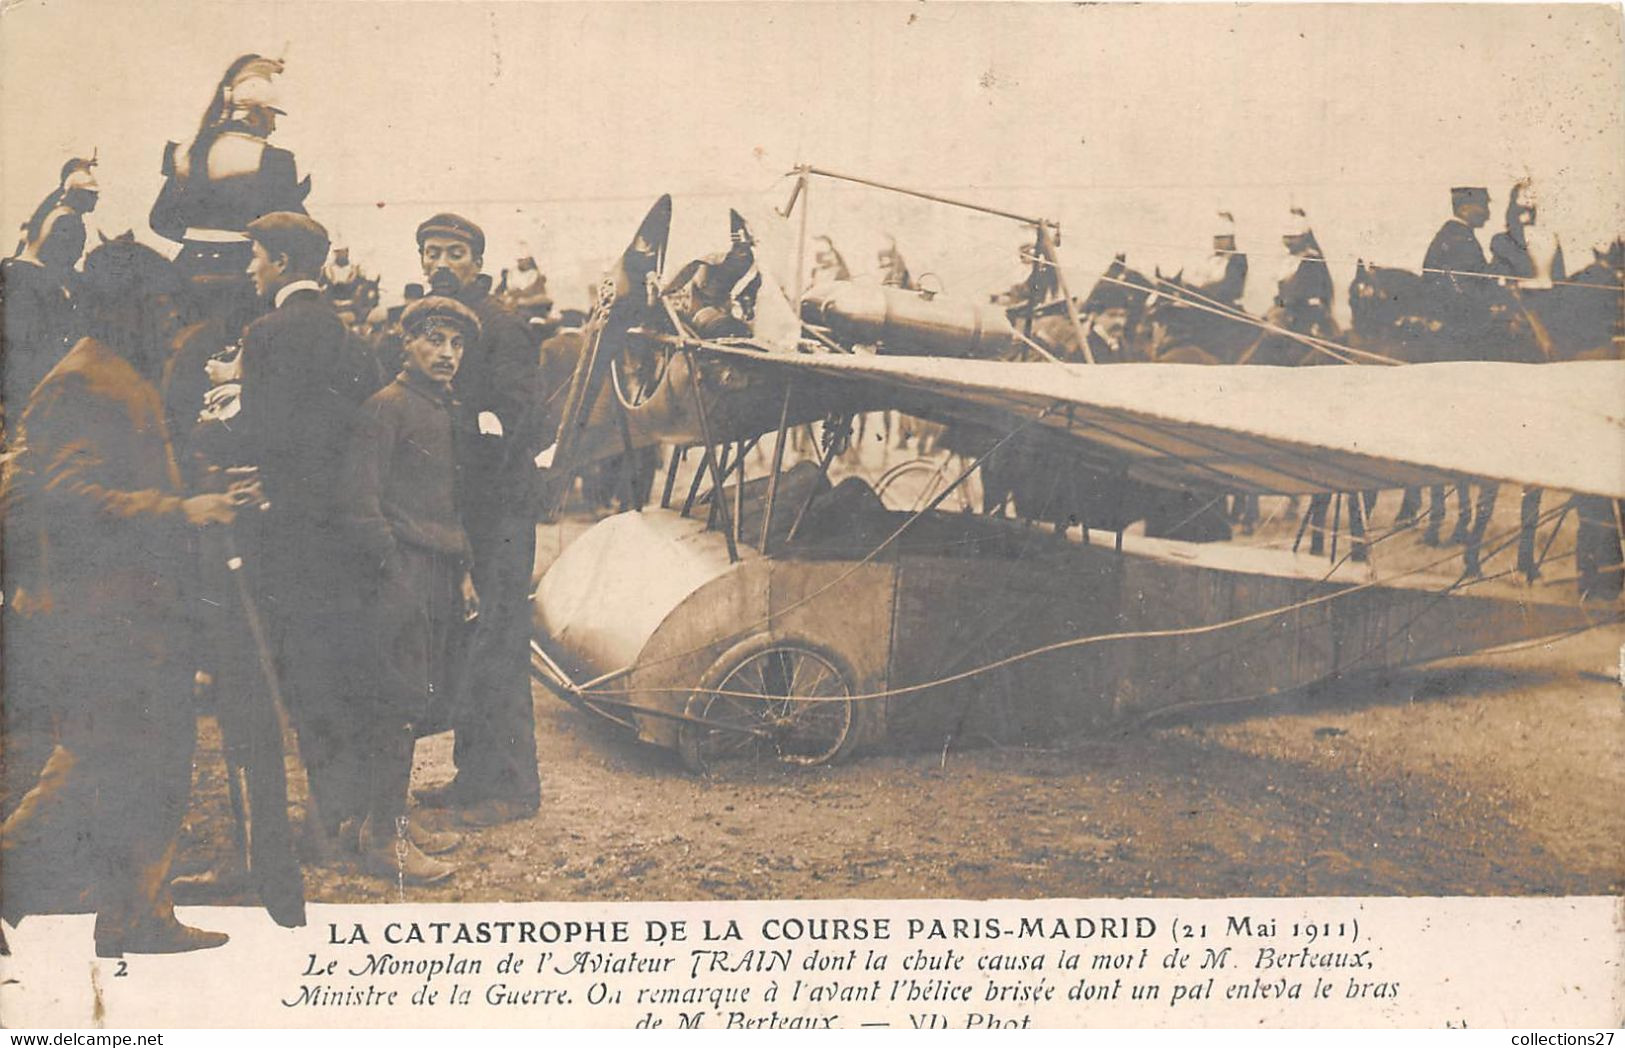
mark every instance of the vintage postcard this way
{"type": "Point", "coordinates": [758, 515]}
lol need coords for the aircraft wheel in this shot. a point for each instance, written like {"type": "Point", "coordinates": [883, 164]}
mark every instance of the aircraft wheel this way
{"type": "Point", "coordinates": [913, 484]}
{"type": "Point", "coordinates": [769, 700]}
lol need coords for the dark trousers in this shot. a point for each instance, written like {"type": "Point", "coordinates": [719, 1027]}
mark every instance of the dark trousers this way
{"type": "Point", "coordinates": [1528, 527]}
{"type": "Point", "coordinates": [111, 797]}
{"type": "Point", "coordinates": [250, 730]}
{"type": "Point", "coordinates": [495, 749]}
{"type": "Point", "coordinates": [411, 617]}
{"type": "Point", "coordinates": [1597, 548]}
{"type": "Point", "coordinates": [1464, 512]}
{"type": "Point", "coordinates": [308, 595]}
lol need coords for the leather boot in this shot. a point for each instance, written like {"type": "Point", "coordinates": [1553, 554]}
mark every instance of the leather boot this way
{"type": "Point", "coordinates": [387, 846]}
{"type": "Point", "coordinates": [169, 936]}
{"type": "Point", "coordinates": [431, 842]}
{"type": "Point", "coordinates": [389, 853]}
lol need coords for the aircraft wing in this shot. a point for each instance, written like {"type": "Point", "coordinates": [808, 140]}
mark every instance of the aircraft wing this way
{"type": "Point", "coordinates": [1274, 429]}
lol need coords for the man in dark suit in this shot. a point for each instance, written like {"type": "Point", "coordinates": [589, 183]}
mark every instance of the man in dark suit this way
{"type": "Point", "coordinates": [105, 510]}
{"type": "Point", "coordinates": [1459, 298]}
{"type": "Point", "coordinates": [500, 395]}
{"type": "Point", "coordinates": [303, 377]}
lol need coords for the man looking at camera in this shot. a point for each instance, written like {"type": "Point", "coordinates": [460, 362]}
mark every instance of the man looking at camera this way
{"type": "Point", "coordinates": [499, 394]}
{"type": "Point", "coordinates": [398, 504]}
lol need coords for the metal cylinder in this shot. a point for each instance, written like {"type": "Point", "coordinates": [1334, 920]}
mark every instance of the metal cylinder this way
{"type": "Point", "coordinates": [908, 322]}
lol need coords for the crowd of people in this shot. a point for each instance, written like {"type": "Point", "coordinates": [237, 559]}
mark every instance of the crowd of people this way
{"type": "Point", "coordinates": [213, 482]}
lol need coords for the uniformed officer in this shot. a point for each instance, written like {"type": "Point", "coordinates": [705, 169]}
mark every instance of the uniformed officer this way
{"type": "Point", "coordinates": [37, 302]}
{"type": "Point", "coordinates": [1453, 273]}
{"type": "Point", "coordinates": [1224, 277]}
{"type": "Point", "coordinates": [828, 264]}
{"type": "Point", "coordinates": [893, 270]}
{"type": "Point", "coordinates": [1525, 250]}
{"type": "Point", "coordinates": [1453, 267]}
{"type": "Point", "coordinates": [1303, 295]}
{"type": "Point", "coordinates": [228, 175]}
{"type": "Point", "coordinates": [76, 190]}
{"type": "Point", "coordinates": [501, 400]}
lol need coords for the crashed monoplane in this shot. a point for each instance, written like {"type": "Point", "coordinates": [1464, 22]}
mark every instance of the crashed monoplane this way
{"type": "Point", "coordinates": [786, 617]}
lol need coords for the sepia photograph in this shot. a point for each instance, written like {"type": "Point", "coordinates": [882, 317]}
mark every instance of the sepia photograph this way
{"type": "Point", "coordinates": [520, 454]}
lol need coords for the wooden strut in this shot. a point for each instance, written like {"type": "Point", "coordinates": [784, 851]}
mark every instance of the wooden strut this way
{"type": "Point", "coordinates": [778, 464]}
{"type": "Point", "coordinates": [742, 448]}
{"type": "Point", "coordinates": [1046, 245]}
{"type": "Point", "coordinates": [693, 490]}
{"type": "Point", "coordinates": [724, 463]}
{"type": "Point", "coordinates": [1337, 524]}
{"type": "Point", "coordinates": [710, 459]}
{"type": "Point", "coordinates": [678, 454]}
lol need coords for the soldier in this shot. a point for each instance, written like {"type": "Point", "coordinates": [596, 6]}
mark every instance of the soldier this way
{"type": "Point", "coordinates": [500, 397]}
{"type": "Point", "coordinates": [525, 290]}
{"type": "Point", "coordinates": [893, 270]}
{"type": "Point", "coordinates": [36, 302]}
{"type": "Point", "coordinates": [398, 504]}
{"type": "Point", "coordinates": [76, 190]}
{"type": "Point", "coordinates": [303, 376]}
{"type": "Point", "coordinates": [1303, 295]}
{"type": "Point", "coordinates": [1224, 278]}
{"type": "Point", "coordinates": [1524, 250]}
{"type": "Point", "coordinates": [1458, 299]}
{"type": "Point", "coordinates": [109, 507]}
{"type": "Point", "coordinates": [1303, 304]}
{"type": "Point", "coordinates": [228, 175]}
{"type": "Point", "coordinates": [828, 264]}
{"type": "Point", "coordinates": [1531, 258]}
{"type": "Point", "coordinates": [343, 281]}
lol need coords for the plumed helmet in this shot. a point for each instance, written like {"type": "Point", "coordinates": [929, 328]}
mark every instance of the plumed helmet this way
{"type": "Point", "coordinates": [251, 86]}
{"type": "Point", "coordinates": [1297, 224]}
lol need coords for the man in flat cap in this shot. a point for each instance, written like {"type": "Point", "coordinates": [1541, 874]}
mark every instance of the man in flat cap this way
{"type": "Point", "coordinates": [398, 505]}
{"type": "Point", "coordinates": [303, 376]}
{"type": "Point", "coordinates": [500, 401]}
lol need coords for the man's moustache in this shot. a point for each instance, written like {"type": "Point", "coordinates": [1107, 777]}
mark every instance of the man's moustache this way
{"type": "Point", "coordinates": [443, 279]}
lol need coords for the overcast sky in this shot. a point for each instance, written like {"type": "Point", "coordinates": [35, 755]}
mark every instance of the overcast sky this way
{"type": "Point", "coordinates": [558, 124]}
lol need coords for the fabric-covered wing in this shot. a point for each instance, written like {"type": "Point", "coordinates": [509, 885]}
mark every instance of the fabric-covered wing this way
{"type": "Point", "coordinates": [1281, 430]}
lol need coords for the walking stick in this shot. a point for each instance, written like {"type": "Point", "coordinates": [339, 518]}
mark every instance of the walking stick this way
{"type": "Point", "coordinates": [260, 777]}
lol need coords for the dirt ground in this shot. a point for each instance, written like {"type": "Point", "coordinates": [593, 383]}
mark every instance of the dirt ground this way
{"type": "Point", "coordinates": [1495, 775]}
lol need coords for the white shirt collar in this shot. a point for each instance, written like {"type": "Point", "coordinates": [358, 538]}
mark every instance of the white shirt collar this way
{"type": "Point", "coordinates": [288, 289]}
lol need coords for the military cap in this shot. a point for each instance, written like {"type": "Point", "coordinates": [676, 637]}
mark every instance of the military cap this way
{"type": "Point", "coordinates": [447, 224]}
{"type": "Point", "coordinates": [300, 237]}
{"type": "Point", "coordinates": [1460, 195]}
{"type": "Point", "coordinates": [437, 307]}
